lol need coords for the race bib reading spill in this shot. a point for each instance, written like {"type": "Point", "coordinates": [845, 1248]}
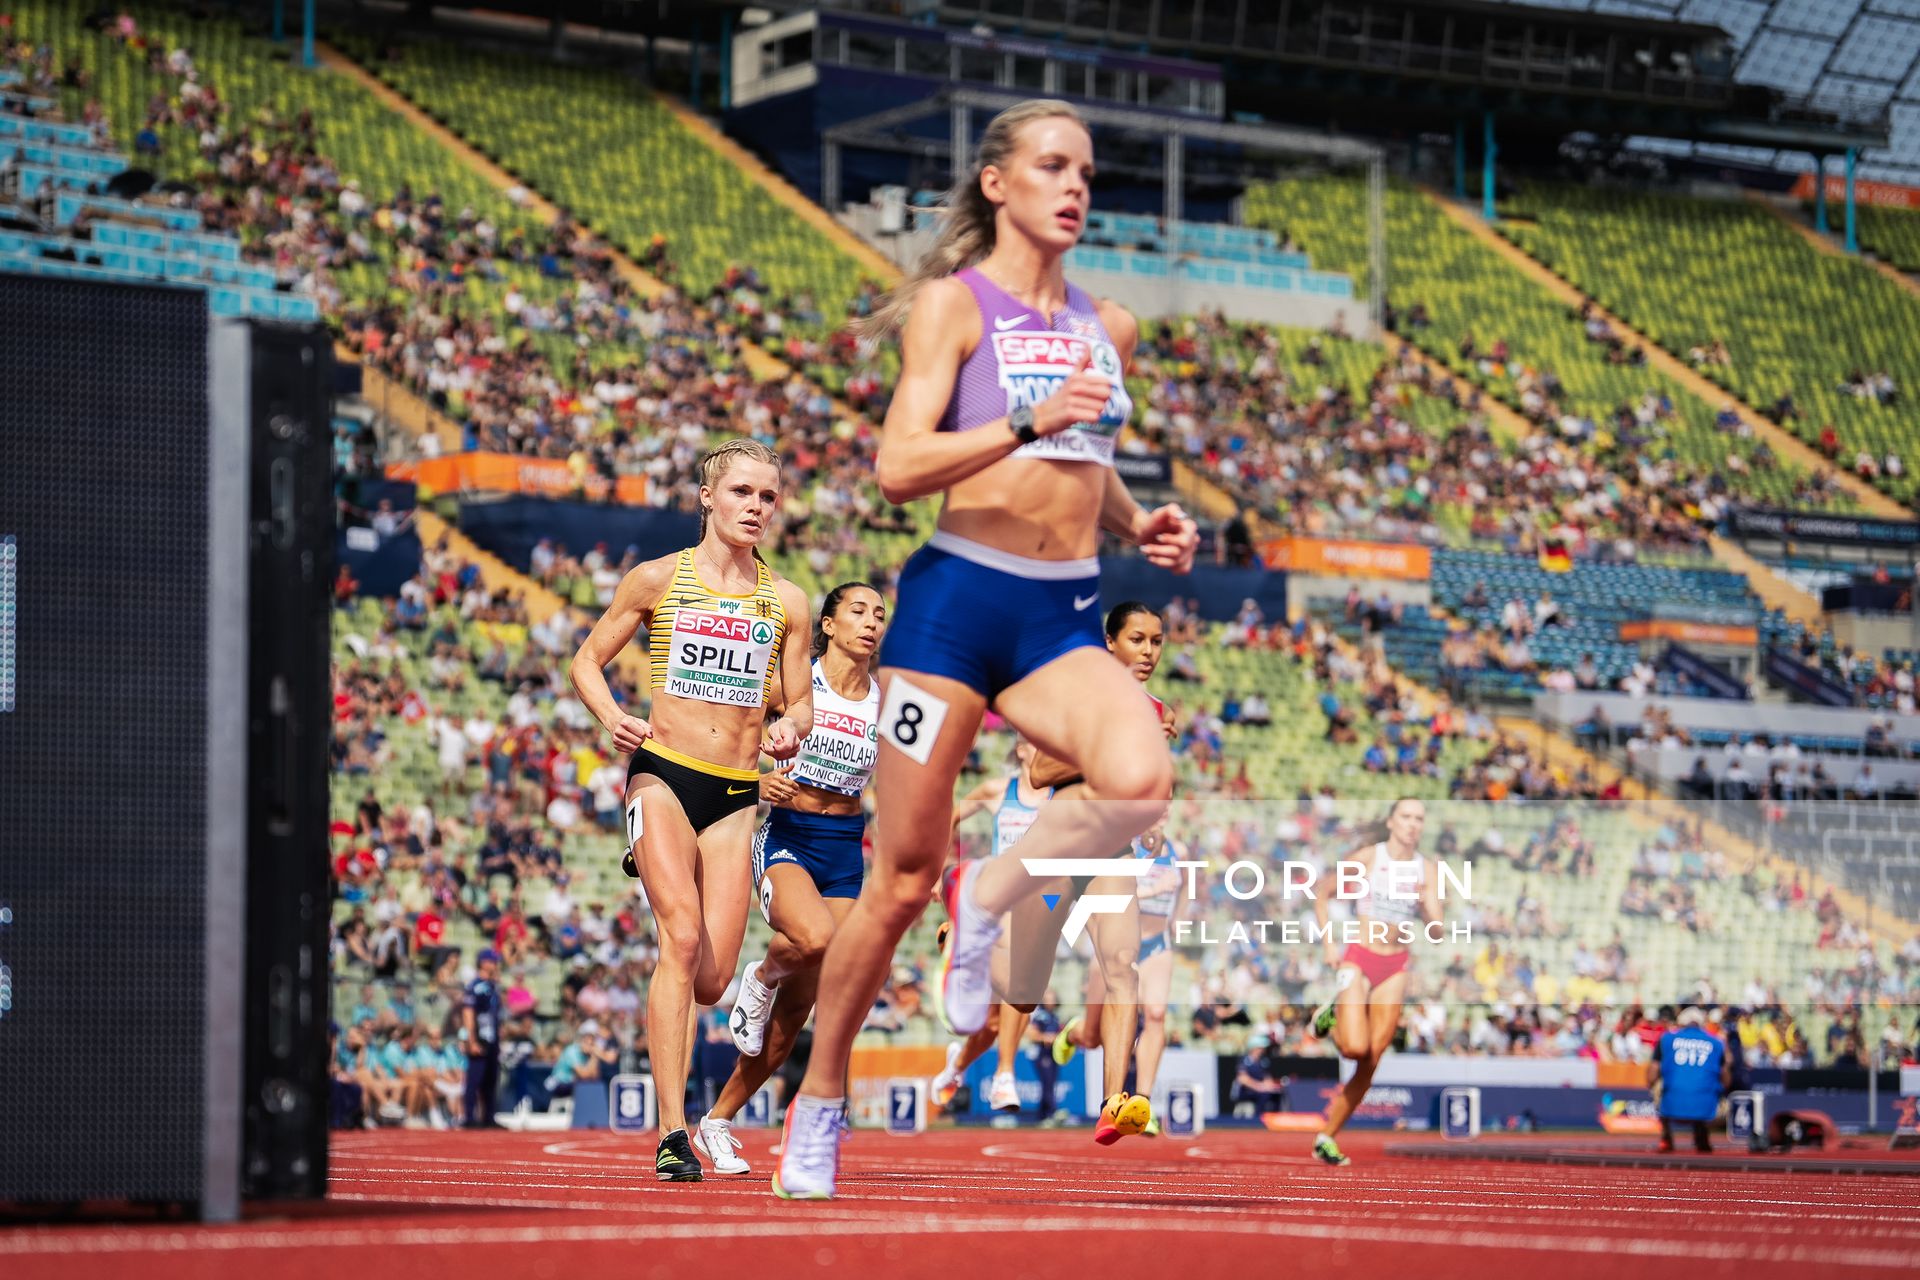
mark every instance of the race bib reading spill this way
{"type": "Point", "coordinates": [718, 658]}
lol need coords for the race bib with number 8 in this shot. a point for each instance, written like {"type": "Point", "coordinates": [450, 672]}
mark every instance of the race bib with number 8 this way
{"type": "Point", "coordinates": [910, 719]}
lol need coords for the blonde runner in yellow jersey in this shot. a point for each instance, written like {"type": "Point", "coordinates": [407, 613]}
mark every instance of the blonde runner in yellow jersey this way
{"type": "Point", "coordinates": [722, 650]}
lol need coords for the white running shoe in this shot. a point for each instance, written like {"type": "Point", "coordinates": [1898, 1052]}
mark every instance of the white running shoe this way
{"type": "Point", "coordinates": [965, 989]}
{"type": "Point", "coordinates": [1003, 1094]}
{"type": "Point", "coordinates": [751, 1009]}
{"type": "Point", "coordinates": [714, 1139]}
{"type": "Point", "coordinates": [810, 1149]}
{"type": "Point", "coordinates": [947, 1083]}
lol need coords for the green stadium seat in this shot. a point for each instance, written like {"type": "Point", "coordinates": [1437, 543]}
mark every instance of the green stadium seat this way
{"type": "Point", "coordinates": [1468, 289]}
{"type": "Point", "coordinates": [1794, 319]}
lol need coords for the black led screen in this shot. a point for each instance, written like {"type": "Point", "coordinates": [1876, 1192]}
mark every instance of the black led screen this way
{"type": "Point", "coordinates": [103, 710]}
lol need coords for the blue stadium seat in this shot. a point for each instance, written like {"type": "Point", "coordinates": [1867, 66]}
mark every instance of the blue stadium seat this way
{"type": "Point", "coordinates": [66, 135]}
{"type": "Point", "coordinates": [68, 205]}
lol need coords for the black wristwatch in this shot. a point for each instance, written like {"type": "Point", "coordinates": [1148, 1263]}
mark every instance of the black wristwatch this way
{"type": "Point", "coordinates": [1021, 420]}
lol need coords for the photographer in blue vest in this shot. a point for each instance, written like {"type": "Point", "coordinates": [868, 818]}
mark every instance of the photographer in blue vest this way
{"type": "Point", "coordinates": [1688, 1075]}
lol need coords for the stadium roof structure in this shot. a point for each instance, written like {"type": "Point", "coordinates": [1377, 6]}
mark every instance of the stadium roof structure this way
{"type": "Point", "coordinates": [889, 131]}
{"type": "Point", "coordinates": [1662, 68]}
{"type": "Point", "coordinates": [1770, 82]}
{"type": "Point", "coordinates": [1838, 56]}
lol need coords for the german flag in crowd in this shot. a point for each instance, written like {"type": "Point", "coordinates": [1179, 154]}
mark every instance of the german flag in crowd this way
{"type": "Point", "coordinates": [1554, 557]}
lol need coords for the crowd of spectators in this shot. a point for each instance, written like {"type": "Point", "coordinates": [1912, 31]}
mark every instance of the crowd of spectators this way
{"type": "Point", "coordinates": [1759, 765]}
{"type": "Point", "coordinates": [1876, 679]}
{"type": "Point", "coordinates": [1512, 769]}
{"type": "Point", "coordinates": [635, 385]}
{"type": "Point", "coordinates": [571, 360]}
{"type": "Point", "coordinates": [1335, 460]}
{"type": "Point", "coordinates": [1878, 386]}
{"type": "Point", "coordinates": [1499, 1002]}
{"type": "Point", "coordinates": [630, 383]}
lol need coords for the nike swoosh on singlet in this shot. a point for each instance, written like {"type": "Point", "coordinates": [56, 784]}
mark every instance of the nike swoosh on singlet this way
{"type": "Point", "coordinates": [738, 791]}
{"type": "Point", "coordinates": [1079, 604]}
{"type": "Point", "coordinates": [1004, 324]}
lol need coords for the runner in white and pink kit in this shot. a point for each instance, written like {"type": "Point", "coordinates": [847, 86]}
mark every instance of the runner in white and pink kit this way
{"type": "Point", "coordinates": [1371, 977]}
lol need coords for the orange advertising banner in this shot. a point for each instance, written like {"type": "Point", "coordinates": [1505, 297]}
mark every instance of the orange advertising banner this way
{"type": "Point", "coordinates": [1886, 194]}
{"type": "Point", "coordinates": [511, 473]}
{"type": "Point", "coordinates": [1689, 632]}
{"type": "Point", "coordinates": [1620, 1075]}
{"type": "Point", "coordinates": [1339, 558]}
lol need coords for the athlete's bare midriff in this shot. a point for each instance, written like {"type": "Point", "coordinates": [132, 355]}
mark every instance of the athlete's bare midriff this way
{"type": "Point", "coordinates": [1034, 507]}
{"type": "Point", "coordinates": [828, 804]}
{"type": "Point", "coordinates": [726, 736]}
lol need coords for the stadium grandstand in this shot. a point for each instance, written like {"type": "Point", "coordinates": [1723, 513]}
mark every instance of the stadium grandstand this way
{"type": "Point", "coordinates": [1540, 379]}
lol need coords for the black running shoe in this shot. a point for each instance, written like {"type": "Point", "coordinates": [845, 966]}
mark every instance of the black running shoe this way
{"type": "Point", "coordinates": [674, 1162]}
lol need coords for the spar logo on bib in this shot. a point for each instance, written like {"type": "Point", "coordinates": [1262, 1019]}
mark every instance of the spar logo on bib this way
{"type": "Point", "coordinates": [1033, 365]}
{"type": "Point", "coordinates": [717, 627]}
{"type": "Point", "coordinates": [852, 726]}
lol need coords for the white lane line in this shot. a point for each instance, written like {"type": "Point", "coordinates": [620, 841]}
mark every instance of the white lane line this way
{"type": "Point", "coordinates": [627, 1207]}
{"type": "Point", "coordinates": [587, 1150]}
{"type": "Point", "coordinates": [1603, 1200]}
{"type": "Point", "coordinates": [1344, 1190]}
{"type": "Point", "coordinates": [712, 1197]}
{"type": "Point", "coordinates": [702, 1204]}
{"type": "Point", "coordinates": [800, 1224]}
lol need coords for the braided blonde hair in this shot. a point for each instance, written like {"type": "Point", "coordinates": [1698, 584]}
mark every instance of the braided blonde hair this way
{"type": "Point", "coordinates": [720, 459]}
{"type": "Point", "coordinates": [967, 234]}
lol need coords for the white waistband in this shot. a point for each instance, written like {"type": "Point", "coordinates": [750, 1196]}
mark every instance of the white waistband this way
{"type": "Point", "coordinates": [1007, 562]}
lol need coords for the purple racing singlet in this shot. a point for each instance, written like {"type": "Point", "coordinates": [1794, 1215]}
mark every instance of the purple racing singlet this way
{"type": "Point", "coordinates": [1022, 359]}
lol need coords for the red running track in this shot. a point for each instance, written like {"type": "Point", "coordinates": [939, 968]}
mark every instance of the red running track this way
{"type": "Point", "coordinates": [1237, 1203]}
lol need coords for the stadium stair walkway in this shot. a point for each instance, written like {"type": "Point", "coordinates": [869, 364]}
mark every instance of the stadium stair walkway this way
{"type": "Point", "coordinates": [1558, 749]}
{"type": "Point", "coordinates": [400, 406]}
{"type": "Point", "coordinates": [1828, 245]}
{"type": "Point", "coordinates": [1783, 443]}
{"type": "Point", "coordinates": [1775, 592]}
{"type": "Point", "coordinates": [751, 167]}
{"type": "Point", "coordinates": [763, 365]}
{"type": "Point", "coordinates": [1203, 493]}
{"type": "Point", "coordinates": [1503, 420]}
{"type": "Point", "coordinates": [469, 155]}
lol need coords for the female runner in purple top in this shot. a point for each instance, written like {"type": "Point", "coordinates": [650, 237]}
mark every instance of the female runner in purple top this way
{"type": "Point", "coordinates": [1009, 402]}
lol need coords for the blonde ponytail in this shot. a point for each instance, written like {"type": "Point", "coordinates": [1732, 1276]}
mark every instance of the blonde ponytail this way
{"type": "Point", "coordinates": [967, 230]}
